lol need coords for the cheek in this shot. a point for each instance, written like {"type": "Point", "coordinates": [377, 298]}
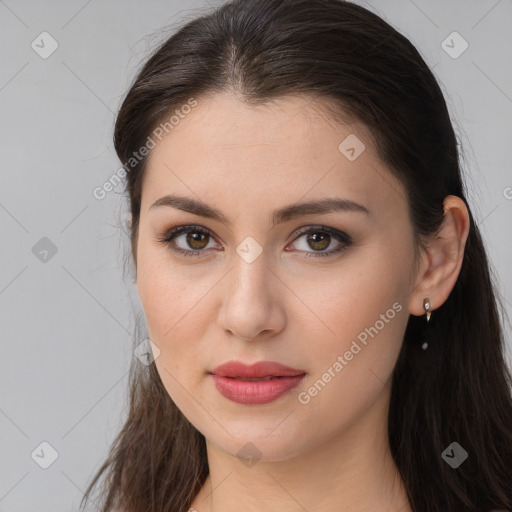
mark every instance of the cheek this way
{"type": "Point", "coordinates": [366, 288]}
{"type": "Point", "coordinates": [356, 332]}
{"type": "Point", "coordinates": [171, 318]}
{"type": "Point", "coordinates": [169, 293]}
{"type": "Point", "coordinates": [176, 305]}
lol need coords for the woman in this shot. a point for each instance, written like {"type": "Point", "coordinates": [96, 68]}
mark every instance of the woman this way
{"type": "Point", "coordinates": [324, 327]}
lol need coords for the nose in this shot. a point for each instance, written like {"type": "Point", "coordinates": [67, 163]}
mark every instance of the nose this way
{"type": "Point", "coordinates": [251, 306]}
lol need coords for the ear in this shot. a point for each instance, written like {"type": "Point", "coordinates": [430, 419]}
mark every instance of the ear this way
{"type": "Point", "coordinates": [442, 260]}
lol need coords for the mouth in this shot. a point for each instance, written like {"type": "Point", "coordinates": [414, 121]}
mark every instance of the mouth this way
{"type": "Point", "coordinates": [255, 384]}
{"type": "Point", "coordinates": [253, 379]}
{"type": "Point", "coordinates": [255, 390]}
{"type": "Point", "coordinates": [262, 370]}
{"type": "Point", "coordinates": [256, 379]}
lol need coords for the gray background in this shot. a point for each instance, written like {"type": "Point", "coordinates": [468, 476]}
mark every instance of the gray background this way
{"type": "Point", "coordinates": [67, 322]}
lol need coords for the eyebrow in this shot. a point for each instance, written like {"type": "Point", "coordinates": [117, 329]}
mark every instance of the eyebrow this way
{"type": "Point", "coordinates": [281, 215]}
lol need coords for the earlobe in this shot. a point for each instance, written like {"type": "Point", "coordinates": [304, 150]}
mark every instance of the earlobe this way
{"type": "Point", "coordinates": [443, 259]}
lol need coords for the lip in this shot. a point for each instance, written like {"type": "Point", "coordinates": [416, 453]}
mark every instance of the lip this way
{"type": "Point", "coordinates": [228, 379]}
{"type": "Point", "coordinates": [259, 369]}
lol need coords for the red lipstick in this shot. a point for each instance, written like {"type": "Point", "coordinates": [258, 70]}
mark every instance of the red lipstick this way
{"type": "Point", "coordinates": [258, 383]}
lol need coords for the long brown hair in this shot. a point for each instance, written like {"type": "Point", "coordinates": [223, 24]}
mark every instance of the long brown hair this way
{"type": "Point", "coordinates": [459, 390]}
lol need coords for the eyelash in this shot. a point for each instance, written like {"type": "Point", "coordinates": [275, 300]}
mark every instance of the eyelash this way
{"type": "Point", "coordinates": [344, 239]}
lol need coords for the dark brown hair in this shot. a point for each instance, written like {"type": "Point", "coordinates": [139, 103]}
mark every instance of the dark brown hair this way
{"type": "Point", "coordinates": [460, 388]}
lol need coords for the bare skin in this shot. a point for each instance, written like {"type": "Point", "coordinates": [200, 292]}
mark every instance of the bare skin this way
{"type": "Point", "coordinates": [329, 451]}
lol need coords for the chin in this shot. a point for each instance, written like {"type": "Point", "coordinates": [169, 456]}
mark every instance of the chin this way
{"type": "Point", "coordinates": [256, 444]}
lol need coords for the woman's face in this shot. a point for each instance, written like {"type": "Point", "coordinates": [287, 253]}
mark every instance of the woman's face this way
{"type": "Point", "coordinates": [332, 303]}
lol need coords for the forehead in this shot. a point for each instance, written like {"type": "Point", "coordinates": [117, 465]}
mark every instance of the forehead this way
{"type": "Point", "coordinates": [286, 149]}
{"type": "Point", "coordinates": [223, 123]}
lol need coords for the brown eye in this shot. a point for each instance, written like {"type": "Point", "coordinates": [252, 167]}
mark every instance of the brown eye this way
{"type": "Point", "coordinates": [192, 241]}
{"type": "Point", "coordinates": [187, 240]}
{"type": "Point", "coordinates": [319, 239]}
{"type": "Point", "coordinates": [197, 240]}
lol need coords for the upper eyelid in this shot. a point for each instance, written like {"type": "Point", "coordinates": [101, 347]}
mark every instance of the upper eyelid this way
{"type": "Point", "coordinates": [297, 233]}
